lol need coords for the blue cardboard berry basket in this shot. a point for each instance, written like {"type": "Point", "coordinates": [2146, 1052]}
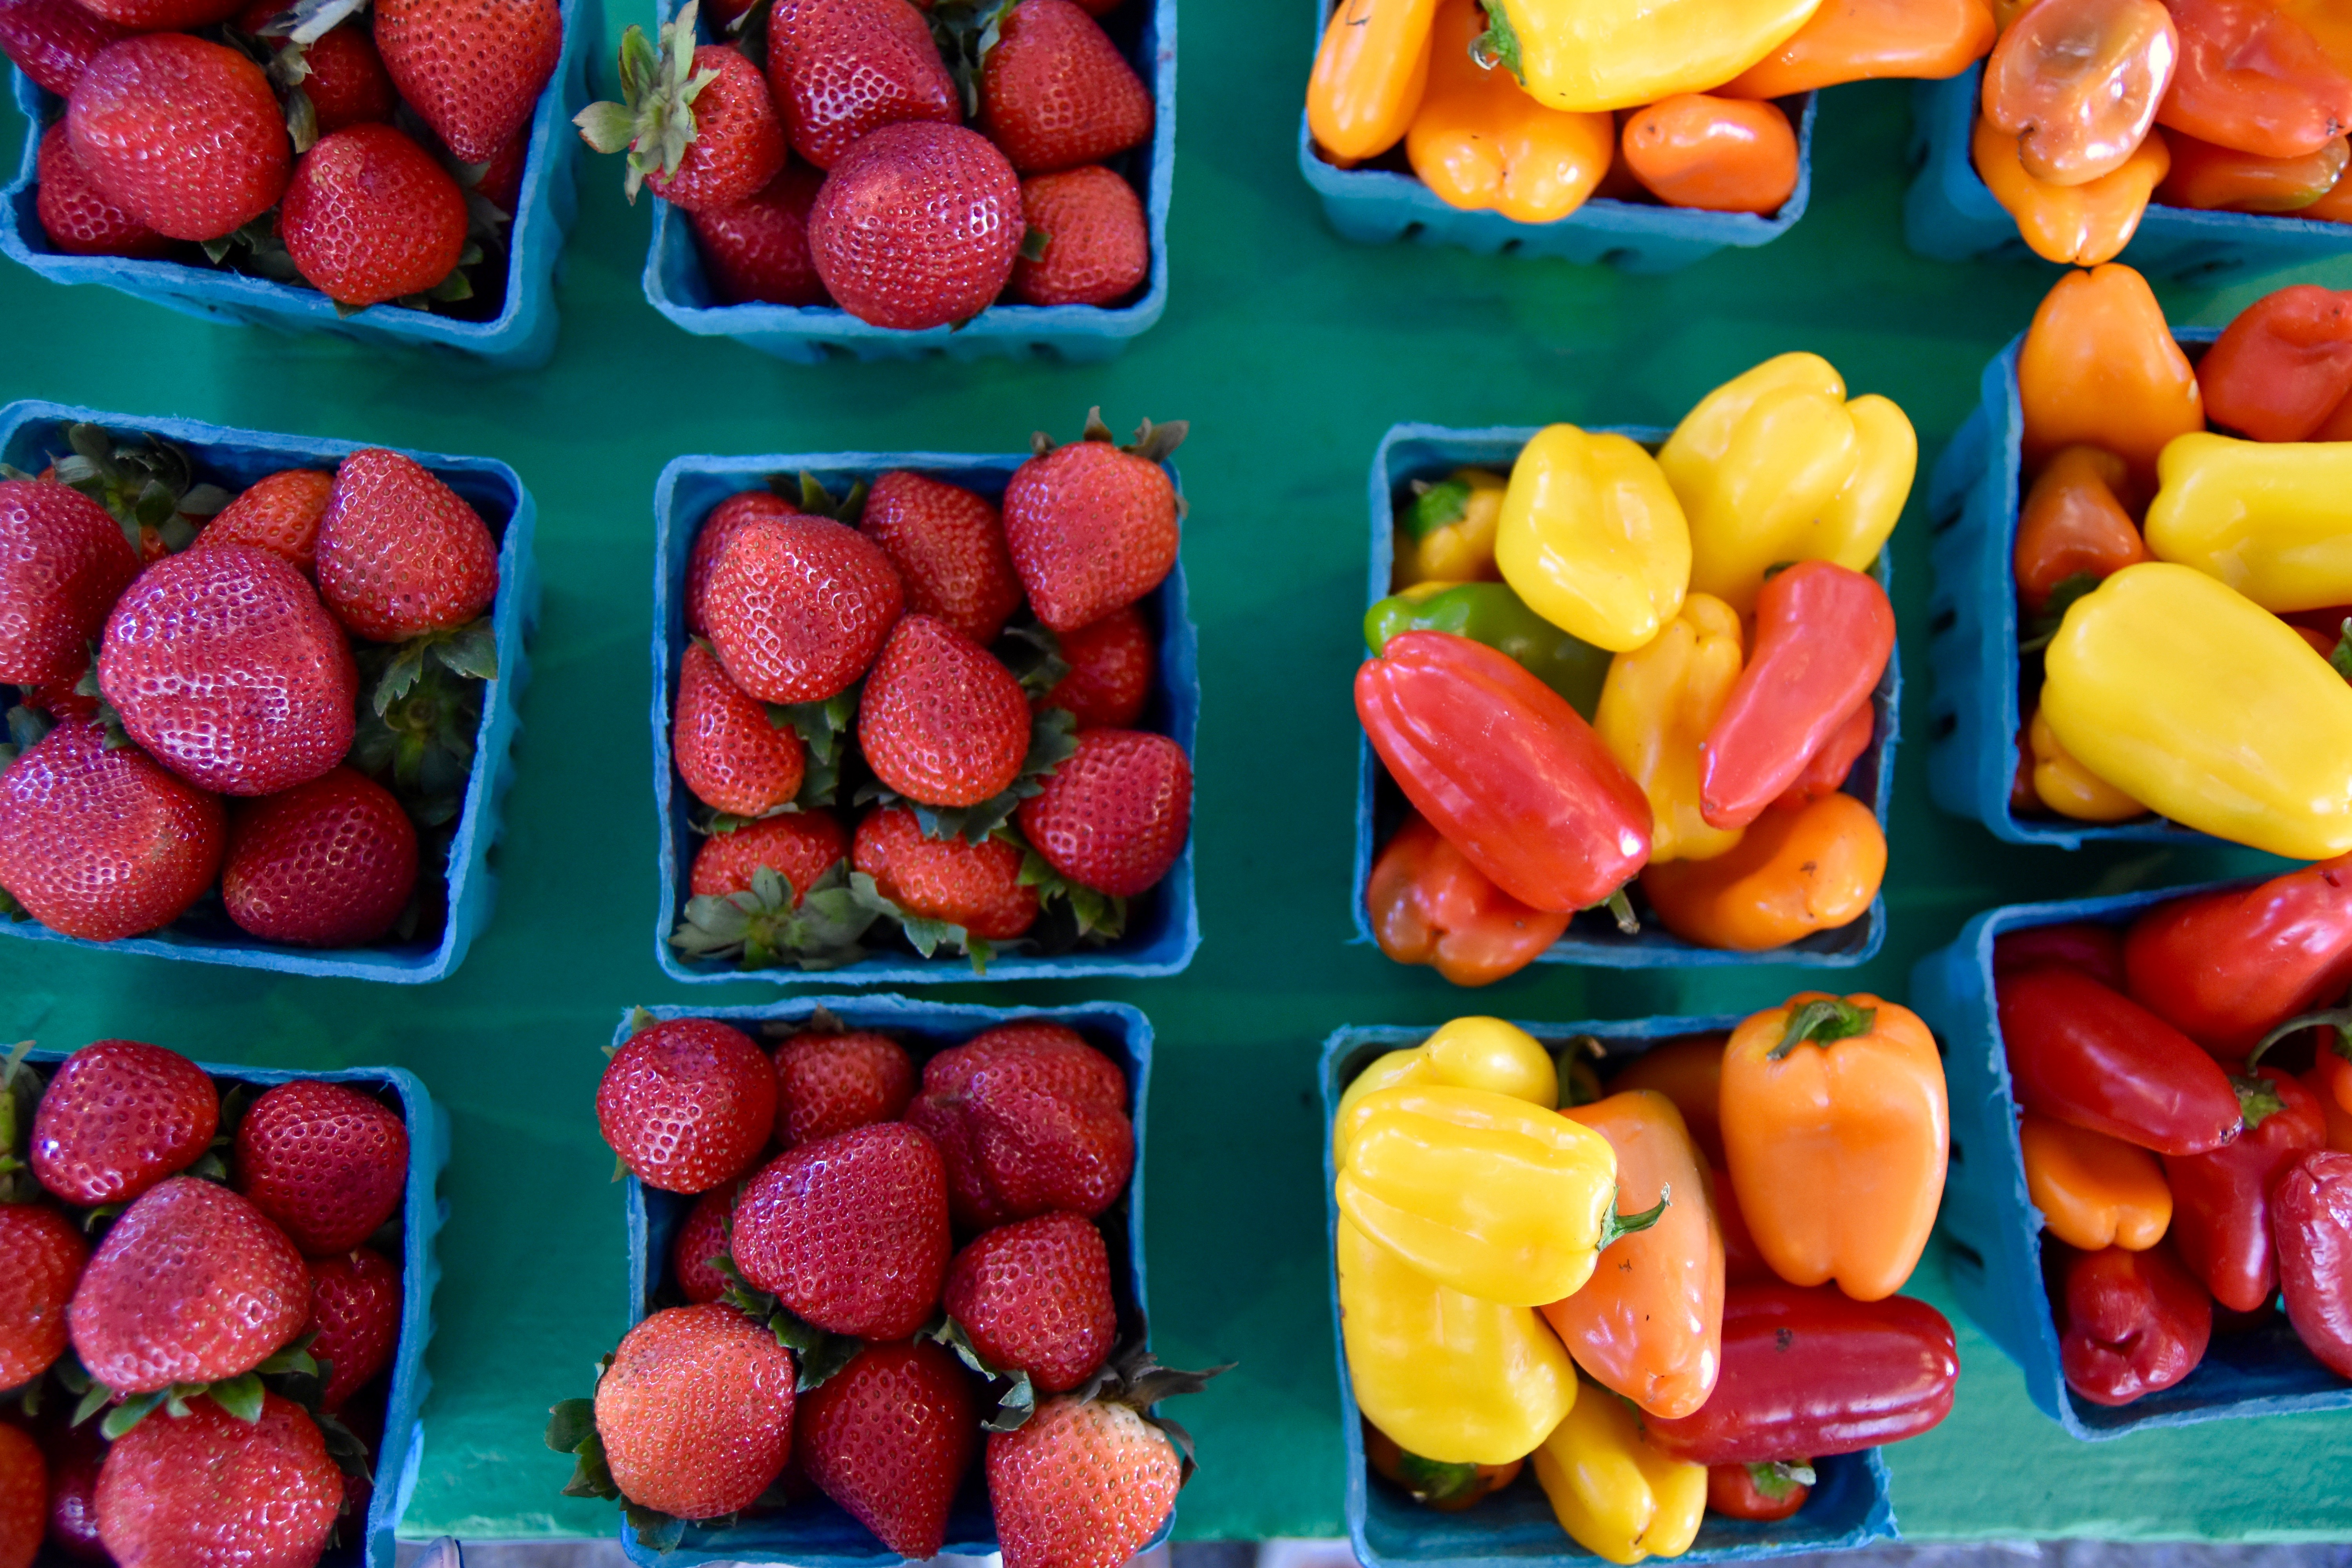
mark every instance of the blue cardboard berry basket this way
{"type": "Point", "coordinates": [522, 334]}
{"type": "Point", "coordinates": [1410, 452]}
{"type": "Point", "coordinates": [1950, 214]}
{"type": "Point", "coordinates": [818, 1533]}
{"type": "Point", "coordinates": [676, 284]}
{"type": "Point", "coordinates": [397, 1460]}
{"type": "Point", "coordinates": [1994, 1232]}
{"type": "Point", "coordinates": [1850, 1505]}
{"type": "Point", "coordinates": [32, 432]}
{"type": "Point", "coordinates": [1163, 925]}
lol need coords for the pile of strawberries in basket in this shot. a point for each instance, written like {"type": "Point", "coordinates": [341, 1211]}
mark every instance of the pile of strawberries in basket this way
{"type": "Point", "coordinates": [823, 154]}
{"type": "Point", "coordinates": [972, 678]}
{"type": "Point", "coordinates": [313, 646]}
{"type": "Point", "coordinates": [295, 141]}
{"type": "Point", "coordinates": [218, 1274]}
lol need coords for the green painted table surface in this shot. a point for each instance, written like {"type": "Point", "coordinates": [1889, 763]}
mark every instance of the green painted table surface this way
{"type": "Point", "coordinates": [1291, 350]}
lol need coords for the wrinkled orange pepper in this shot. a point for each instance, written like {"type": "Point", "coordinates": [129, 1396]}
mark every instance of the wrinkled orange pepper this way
{"type": "Point", "coordinates": [2254, 78]}
{"type": "Point", "coordinates": [2094, 1190]}
{"type": "Point", "coordinates": [1689, 1072]}
{"type": "Point", "coordinates": [2099, 368]}
{"type": "Point", "coordinates": [2062, 785]}
{"type": "Point", "coordinates": [1718, 154]}
{"type": "Point", "coordinates": [2077, 83]}
{"type": "Point", "coordinates": [2074, 524]}
{"type": "Point", "coordinates": [2204, 176]}
{"type": "Point", "coordinates": [1478, 142]}
{"type": "Point", "coordinates": [1370, 72]}
{"type": "Point", "coordinates": [1429, 905]}
{"type": "Point", "coordinates": [2082, 225]}
{"type": "Point", "coordinates": [1861, 40]}
{"type": "Point", "coordinates": [1792, 874]}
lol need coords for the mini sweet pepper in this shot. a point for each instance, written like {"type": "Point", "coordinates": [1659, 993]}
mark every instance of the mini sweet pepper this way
{"type": "Point", "coordinates": [1491, 614]}
{"type": "Point", "coordinates": [2077, 83]}
{"type": "Point", "coordinates": [2077, 225]}
{"type": "Point", "coordinates": [1713, 154]}
{"type": "Point", "coordinates": [2129, 1323]}
{"type": "Point", "coordinates": [1615, 1493]}
{"type": "Point", "coordinates": [2265, 517]}
{"type": "Point", "coordinates": [1690, 1073]}
{"type": "Point", "coordinates": [1467, 1053]}
{"type": "Point", "coordinates": [2254, 78]}
{"type": "Point", "coordinates": [2282, 365]}
{"type": "Point", "coordinates": [1480, 144]}
{"type": "Point", "coordinates": [2064, 785]}
{"type": "Point", "coordinates": [1658, 705]}
{"type": "Point", "coordinates": [1858, 40]}
{"type": "Point", "coordinates": [1599, 55]}
{"type": "Point", "coordinates": [2311, 1225]}
{"type": "Point", "coordinates": [2227, 968]}
{"type": "Point", "coordinates": [1592, 537]}
{"type": "Point", "coordinates": [2209, 177]}
{"type": "Point", "coordinates": [1434, 1484]}
{"type": "Point", "coordinates": [1792, 873]}
{"type": "Point", "coordinates": [1446, 534]}
{"type": "Point", "coordinates": [1428, 904]}
{"type": "Point", "coordinates": [2099, 368]}
{"type": "Point", "coordinates": [2221, 1218]}
{"type": "Point", "coordinates": [2073, 529]}
{"type": "Point", "coordinates": [2093, 1057]}
{"type": "Point", "coordinates": [2092, 1190]}
{"type": "Point", "coordinates": [1370, 72]}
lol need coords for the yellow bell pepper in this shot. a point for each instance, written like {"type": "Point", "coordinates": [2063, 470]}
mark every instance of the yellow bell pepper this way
{"type": "Point", "coordinates": [1478, 142]}
{"type": "Point", "coordinates": [1592, 56]}
{"type": "Point", "coordinates": [2067, 787]}
{"type": "Point", "coordinates": [1615, 1495]}
{"type": "Point", "coordinates": [1776, 465]}
{"type": "Point", "coordinates": [1658, 705]}
{"type": "Point", "coordinates": [1447, 534]}
{"type": "Point", "coordinates": [1592, 537]}
{"type": "Point", "coordinates": [2082, 225]}
{"type": "Point", "coordinates": [1369, 74]}
{"type": "Point", "coordinates": [1449, 1377]}
{"type": "Point", "coordinates": [1469, 1053]}
{"type": "Point", "coordinates": [2192, 698]}
{"type": "Point", "coordinates": [2272, 519]}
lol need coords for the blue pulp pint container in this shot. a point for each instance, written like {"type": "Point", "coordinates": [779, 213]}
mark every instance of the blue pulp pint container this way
{"type": "Point", "coordinates": [1995, 1232]}
{"type": "Point", "coordinates": [1516, 1528]}
{"type": "Point", "coordinates": [31, 433]}
{"type": "Point", "coordinates": [521, 336]}
{"type": "Point", "coordinates": [819, 1533]}
{"type": "Point", "coordinates": [1145, 31]}
{"type": "Point", "coordinates": [1163, 925]}
{"type": "Point", "coordinates": [1411, 452]}
{"type": "Point", "coordinates": [1949, 212]}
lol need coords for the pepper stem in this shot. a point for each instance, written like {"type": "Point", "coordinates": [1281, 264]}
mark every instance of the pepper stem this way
{"type": "Point", "coordinates": [1828, 1020]}
{"type": "Point", "coordinates": [1776, 1478]}
{"type": "Point", "coordinates": [1621, 908]}
{"type": "Point", "coordinates": [1617, 1225]}
{"type": "Point", "coordinates": [2337, 1018]}
{"type": "Point", "coordinates": [2258, 1099]}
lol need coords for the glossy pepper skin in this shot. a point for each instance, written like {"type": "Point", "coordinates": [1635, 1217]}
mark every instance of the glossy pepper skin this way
{"type": "Point", "coordinates": [1506, 769]}
{"type": "Point", "coordinates": [2226, 968]}
{"type": "Point", "coordinates": [1690, 1073]}
{"type": "Point", "coordinates": [1467, 1053]}
{"type": "Point", "coordinates": [2266, 519]}
{"type": "Point", "coordinates": [2094, 1190]}
{"type": "Point", "coordinates": [2221, 1224]}
{"type": "Point", "coordinates": [1764, 1493]}
{"type": "Point", "coordinates": [2074, 524]}
{"type": "Point", "coordinates": [1446, 1489]}
{"type": "Point", "coordinates": [2311, 1225]}
{"type": "Point", "coordinates": [1491, 614]}
{"type": "Point", "coordinates": [2064, 785]}
{"type": "Point", "coordinates": [1743, 1260]}
{"type": "Point", "coordinates": [1809, 1370]}
{"type": "Point", "coordinates": [2282, 366]}
{"type": "Point", "coordinates": [1612, 1490]}
{"type": "Point", "coordinates": [1860, 40]}
{"type": "Point", "coordinates": [1448, 533]}
{"type": "Point", "coordinates": [2077, 83]}
{"type": "Point", "coordinates": [2207, 177]}
{"type": "Point", "coordinates": [1429, 905]}
{"type": "Point", "coordinates": [2129, 1323]}
{"type": "Point", "coordinates": [2096, 950]}
{"type": "Point", "coordinates": [2099, 368]}
{"type": "Point", "coordinates": [2079, 226]}
{"type": "Point", "coordinates": [1713, 154]}
{"type": "Point", "coordinates": [1826, 773]}
{"type": "Point", "coordinates": [1592, 56]}
{"type": "Point", "coordinates": [1656, 707]}
{"type": "Point", "coordinates": [1592, 537]}
{"type": "Point", "coordinates": [1369, 73]}
{"type": "Point", "coordinates": [1793, 873]}
{"type": "Point", "coordinates": [2253, 78]}
{"type": "Point", "coordinates": [1480, 144]}
{"type": "Point", "coordinates": [2093, 1057]}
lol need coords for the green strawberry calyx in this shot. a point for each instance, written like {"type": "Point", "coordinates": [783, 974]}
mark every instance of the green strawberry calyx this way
{"type": "Point", "coordinates": [292, 1372]}
{"type": "Point", "coordinates": [654, 123]}
{"type": "Point", "coordinates": [416, 730]}
{"type": "Point", "coordinates": [1016, 1396]}
{"type": "Point", "coordinates": [807, 492]}
{"type": "Point", "coordinates": [1098, 918]}
{"type": "Point", "coordinates": [571, 1429]}
{"type": "Point", "coordinates": [760, 928]}
{"type": "Point", "coordinates": [1029, 648]}
{"type": "Point", "coordinates": [147, 485]}
{"type": "Point", "coordinates": [1152, 443]}
{"type": "Point", "coordinates": [20, 1096]}
{"type": "Point", "coordinates": [1132, 1377]}
{"type": "Point", "coordinates": [817, 1353]}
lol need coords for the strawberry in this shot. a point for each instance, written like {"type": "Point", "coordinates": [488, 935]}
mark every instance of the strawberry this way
{"type": "Point", "coordinates": [500, 180]}
{"type": "Point", "coordinates": [799, 846]}
{"type": "Point", "coordinates": [23, 1498]}
{"type": "Point", "coordinates": [1029, 1118]}
{"type": "Point", "coordinates": [918, 226]}
{"type": "Point", "coordinates": [118, 1117]}
{"type": "Point", "coordinates": [728, 751]}
{"type": "Point", "coordinates": [1112, 663]}
{"type": "Point", "coordinates": [710, 542]}
{"type": "Point", "coordinates": [948, 547]}
{"type": "Point", "coordinates": [975, 886]}
{"type": "Point", "coordinates": [344, 78]}
{"type": "Point", "coordinates": [101, 844]}
{"type": "Point", "coordinates": [63, 562]}
{"type": "Point", "coordinates": [1081, 1484]}
{"type": "Point", "coordinates": [1097, 247]}
{"type": "Point", "coordinates": [160, 16]}
{"type": "Point", "coordinates": [223, 664]}
{"type": "Point", "coordinates": [369, 217]}
{"type": "Point", "coordinates": [206, 1489]}
{"type": "Point", "coordinates": [1092, 526]}
{"type": "Point", "coordinates": [329, 863]}
{"type": "Point", "coordinates": [849, 67]}
{"type": "Point", "coordinates": [1116, 817]}
{"type": "Point", "coordinates": [355, 1313]}
{"type": "Point", "coordinates": [328, 1163]}
{"type": "Point", "coordinates": [1034, 1296]}
{"type": "Point", "coordinates": [889, 1437]}
{"type": "Point", "coordinates": [702, 1238]}
{"type": "Point", "coordinates": [182, 134]}
{"type": "Point", "coordinates": [41, 1257]}
{"type": "Point", "coordinates": [942, 721]}
{"type": "Point", "coordinates": [473, 68]}
{"type": "Point", "coordinates": [278, 513]}
{"type": "Point", "coordinates": [78, 217]}
{"type": "Point", "coordinates": [696, 1411]}
{"type": "Point", "coordinates": [757, 251]}
{"type": "Point", "coordinates": [53, 41]}
{"type": "Point", "coordinates": [697, 120]}
{"type": "Point", "coordinates": [1056, 93]}
{"type": "Point", "coordinates": [688, 1105]}
{"type": "Point", "coordinates": [798, 606]}
{"type": "Point", "coordinates": [74, 1456]}
{"type": "Point", "coordinates": [829, 1083]}
{"type": "Point", "coordinates": [850, 1232]}
{"type": "Point", "coordinates": [192, 1284]}
{"type": "Point", "coordinates": [401, 554]}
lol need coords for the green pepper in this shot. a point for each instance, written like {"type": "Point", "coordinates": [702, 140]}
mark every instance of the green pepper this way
{"type": "Point", "coordinates": [1491, 614]}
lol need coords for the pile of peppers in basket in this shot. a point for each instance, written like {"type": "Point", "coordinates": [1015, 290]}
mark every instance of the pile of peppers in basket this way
{"type": "Point", "coordinates": [2093, 108]}
{"type": "Point", "coordinates": [1666, 1296]}
{"type": "Point", "coordinates": [2189, 1175]}
{"type": "Point", "coordinates": [1531, 108]}
{"type": "Point", "coordinates": [1613, 666]}
{"type": "Point", "coordinates": [2185, 592]}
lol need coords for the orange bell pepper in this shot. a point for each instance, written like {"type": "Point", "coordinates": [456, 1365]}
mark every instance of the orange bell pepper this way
{"type": "Point", "coordinates": [1369, 73]}
{"type": "Point", "coordinates": [2254, 78]}
{"type": "Point", "coordinates": [1743, 1261]}
{"type": "Point", "coordinates": [2206, 176]}
{"type": "Point", "coordinates": [1478, 142]}
{"type": "Point", "coordinates": [2077, 83]}
{"type": "Point", "coordinates": [2074, 526]}
{"type": "Point", "coordinates": [1836, 1120]}
{"type": "Point", "coordinates": [1861, 40]}
{"type": "Point", "coordinates": [2094, 1190]}
{"type": "Point", "coordinates": [1792, 874]}
{"type": "Point", "coordinates": [2099, 368]}
{"type": "Point", "coordinates": [1718, 154]}
{"type": "Point", "coordinates": [1429, 905]}
{"type": "Point", "coordinates": [2082, 225]}
{"type": "Point", "coordinates": [1689, 1072]}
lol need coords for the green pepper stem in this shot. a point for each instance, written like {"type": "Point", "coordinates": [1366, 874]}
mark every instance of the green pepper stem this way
{"type": "Point", "coordinates": [2337, 1018]}
{"type": "Point", "coordinates": [2258, 1099]}
{"type": "Point", "coordinates": [1621, 909]}
{"type": "Point", "coordinates": [1829, 1019]}
{"type": "Point", "coordinates": [1617, 1225]}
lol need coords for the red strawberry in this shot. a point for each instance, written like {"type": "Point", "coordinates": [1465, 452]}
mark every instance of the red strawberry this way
{"type": "Point", "coordinates": [696, 1411]}
{"type": "Point", "coordinates": [688, 1105]}
{"type": "Point", "coordinates": [917, 227]}
{"type": "Point", "coordinates": [1082, 1484]}
{"type": "Point", "coordinates": [702, 132]}
{"type": "Point", "coordinates": [63, 562]}
{"type": "Point", "coordinates": [1092, 527]}
{"type": "Point", "coordinates": [206, 1489]}
{"type": "Point", "coordinates": [757, 251]}
{"type": "Point", "coordinates": [830, 1083]}
{"type": "Point", "coordinates": [851, 1231]}
{"type": "Point", "coordinates": [23, 1498]}
{"type": "Point", "coordinates": [1115, 816]}
{"type": "Point", "coordinates": [889, 1437]}
{"type": "Point", "coordinates": [942, 721]}
{"type": "Point", "coordinates": [53, 41]}
{"type": "Point", "coordinates": [401, 554]}
{"type": "Point", "coordinates": [118, 1117]}
{"type": "Point", "coordinates": [369, 217]}
{"type": "Point", "coordinates": [355, 1312]}
{"type": "Point", "coordinates": [975, 886]}
{"type": "Point", "coordinates": [1056, 93]}
{"type": "Point", "coordinates": [75, 1457]}
{"type": "Point", "coordinates": [183, 135]}
{"type": "Point", "coordinates": [702, 1238]}
{"type": "Point", "coordinates": [1098, 245]}
{"type": "Point", "coordinates": [729, 753]}
{"type": "Point", "coordinates": [1029, 1119]}
{"type": "Point", "coordinates": [500, 180]}
{"type": "Point", "coordinates": [473, 68]}
{"type": "Point", "coordinates": [849, 67]}
{"type": "Point", "coordinates": [78, 217]}
{"type": "Point", "coordinates": [798, 606]}
{"type": "Point", "coordinates": [799, 846]}
{"type": "Point", "coordinates": [326, 864]}
{"type": "Point", "coordinates": [948, 547]}
{"type": "Point", "coordinates": [193, 1284]}
{"type": "Point", "coordinates": [104, 844]}
{"type": "Point", "coordinates": [1035, 1295]}
{"type": "Point", "coordinates": [223, 664]}
{"type": "Point", "coordinates": [328, 1163]}
{"type": "Point", "coordinates": [158, 15]}
{"type": "Point", "coordinates": [41, 1257]}
{"type": "Point", "coordinates": [347, 84]}
{"type": "Point", "coordinates": [278, 513]}
{"type": "Point", "coordinates": [710, 542]}
{"type": "Point", "coordinates": [1112, 663]}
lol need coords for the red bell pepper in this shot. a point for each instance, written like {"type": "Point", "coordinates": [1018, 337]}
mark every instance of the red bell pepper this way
{"type": "Point", "coordinates": [2227, 968]}
{"type": "Point", "coordinates": [2096, 950]}
{"type": "Point", "coordinates": [1762, 1492]}
{"type": "Point", "coordinates": [1823, 636]}
{"type": "Point", "coordinates": [1809, 1370]}
{"type": "Point", "coordinates": [2253, 78]}
{"type": "Point", "coordinates": [2311, 1224]}
{"type": "Point", "coordinates": [1429, 905]}
{"type": "Point", "coordinates": [2129, 1323]}
{"type": "Point", "coordinates": [2279, 369]}
{"type": "Point", "coordinates": [2093, 1057]}
{"type": "Point", "coordinates": [2221, 1219]}
{"type": "Point", "coordinates": [1826, 774]}
{"type": "Point", "coordinates": [1503, 767]}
